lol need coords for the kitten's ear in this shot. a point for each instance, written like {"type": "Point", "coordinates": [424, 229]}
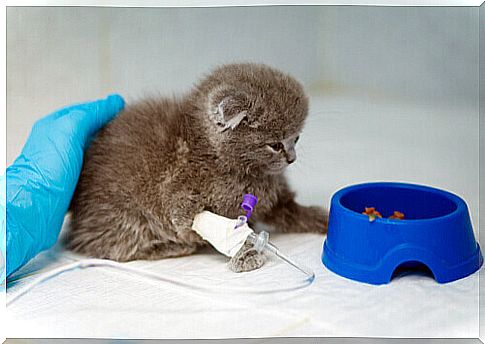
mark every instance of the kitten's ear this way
{"type": "Point", "coordinates": [228, 108]}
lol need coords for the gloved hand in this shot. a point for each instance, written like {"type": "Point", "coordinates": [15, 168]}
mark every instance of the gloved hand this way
{"type": "Point", "coordinates": [41, 181]}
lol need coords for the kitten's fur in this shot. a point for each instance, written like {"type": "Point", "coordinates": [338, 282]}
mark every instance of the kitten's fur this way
{"type": "Point", "coordinates": [162, 161]}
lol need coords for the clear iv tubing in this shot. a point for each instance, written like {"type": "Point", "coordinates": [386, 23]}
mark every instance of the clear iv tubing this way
{"type": "Point", "coordinates": [261, 243]}
{"type": "Point", "coordinates": [89, 263]}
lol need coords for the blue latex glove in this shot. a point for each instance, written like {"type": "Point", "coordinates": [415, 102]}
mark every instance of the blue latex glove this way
{"type": "Point", "coordinates": [41, 181]}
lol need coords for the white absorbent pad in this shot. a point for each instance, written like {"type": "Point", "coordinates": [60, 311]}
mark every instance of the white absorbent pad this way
{"type": "Point", "coordinates": [220, 232]}
{"type": "Point", "coordinates": [107, 303]}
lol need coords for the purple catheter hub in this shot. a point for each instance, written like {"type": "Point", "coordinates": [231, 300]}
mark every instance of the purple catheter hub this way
{"type": "Point", "coordinates": [248, 204]}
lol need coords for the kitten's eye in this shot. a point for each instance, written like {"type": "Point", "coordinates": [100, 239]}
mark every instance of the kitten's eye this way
{"type": "Point", "coordinates": [277, 146]}
{"type": "Point", "coordinates": [297, 138]}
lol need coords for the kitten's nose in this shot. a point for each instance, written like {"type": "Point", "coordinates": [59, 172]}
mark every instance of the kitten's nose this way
{"type": "Point", "coordinates": [290, 156]}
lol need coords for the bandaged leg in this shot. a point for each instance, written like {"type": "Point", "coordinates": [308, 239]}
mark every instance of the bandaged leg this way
{"type": "Point", "coordinates": [221, 233]}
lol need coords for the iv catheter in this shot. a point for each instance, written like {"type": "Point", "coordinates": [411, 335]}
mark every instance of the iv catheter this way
{"type": "Point", "coordinates": [261, 241]}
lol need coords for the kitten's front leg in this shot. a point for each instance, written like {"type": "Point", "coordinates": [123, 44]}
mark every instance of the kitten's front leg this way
{"type": "Point", "coordinates": [288, 216]}
{"type": "Point", "coordinates": [246, 259]}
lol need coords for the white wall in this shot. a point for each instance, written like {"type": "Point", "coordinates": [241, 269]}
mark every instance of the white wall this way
{"type": "Point", "coordinates": [57, 56]}
{"type": "Point", "coordinates": [415, 53]}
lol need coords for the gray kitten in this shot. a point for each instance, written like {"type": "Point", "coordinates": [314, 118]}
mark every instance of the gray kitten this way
{"type": "Point", "coordinates": [162, 161]}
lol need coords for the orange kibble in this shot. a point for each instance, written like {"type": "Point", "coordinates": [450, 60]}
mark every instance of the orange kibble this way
{"type": "Point", "coordinates": [371, 211]}
{"type": "Point", "coordinates": [397, 215]}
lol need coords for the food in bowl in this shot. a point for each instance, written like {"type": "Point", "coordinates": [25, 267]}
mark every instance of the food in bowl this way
{"type": "Point", "coordinates": [373, 214]}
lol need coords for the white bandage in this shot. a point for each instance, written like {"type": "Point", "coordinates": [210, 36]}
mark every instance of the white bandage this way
{"type": "Point", "coordinates": [219, 232]}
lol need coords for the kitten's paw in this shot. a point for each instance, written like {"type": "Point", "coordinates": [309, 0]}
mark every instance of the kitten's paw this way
{"type": "Point", "coordinates": [316, 220]}
{"type": "Point", "coordinates": [246, 260]}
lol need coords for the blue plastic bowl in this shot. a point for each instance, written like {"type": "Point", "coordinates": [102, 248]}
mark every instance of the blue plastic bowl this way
{"type": "Point", "coordinates": [436, 232]}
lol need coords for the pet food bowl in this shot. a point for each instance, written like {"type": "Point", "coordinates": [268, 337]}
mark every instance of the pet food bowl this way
{"type": "Point", "coordinates": [436, 232]}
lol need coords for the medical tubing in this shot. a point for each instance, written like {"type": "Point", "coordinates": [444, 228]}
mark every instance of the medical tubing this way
{"type": "Point", "coordinates": [261, 242]}
{"type": "Point", "coordinates": [310, 274]}
{"type": "Point", "coordinates": [82, 264]}
{"type": "Point", "coordinates": [87, 263]}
